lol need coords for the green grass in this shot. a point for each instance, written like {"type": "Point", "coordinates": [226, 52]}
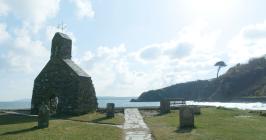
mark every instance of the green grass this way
{"type": "Point", "coordinates": [14, 127]}
{"type": "Point", "coordinates": [212, 124]}
{"type": "Point", "coordinates": [100, 118]}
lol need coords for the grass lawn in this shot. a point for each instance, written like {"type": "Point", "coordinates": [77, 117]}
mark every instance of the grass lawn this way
{"type": "Point", "coordinates": [14, 127]}
{"type": "Point", "coordinates": [212, 124]}
{"type": "Point", "coordinates": [100, 118]}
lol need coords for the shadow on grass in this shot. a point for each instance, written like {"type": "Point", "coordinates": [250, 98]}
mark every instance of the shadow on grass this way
{"type": "Point", "coordinates": [184, 130]}
{"type": "Point", "coordinates": [60, 116]}
{"type": "Point", "coordinates": [161, 114]}
{"type": "Point", "coordinates": [6, 119]}
{"type": "Point", "coordinates": [98, 120]}
{"type": "Point", "coordinates": [21, 131]}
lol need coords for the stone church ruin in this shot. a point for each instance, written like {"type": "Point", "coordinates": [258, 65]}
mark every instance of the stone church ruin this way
{"type": "Point", "coordinates": [63, 85]}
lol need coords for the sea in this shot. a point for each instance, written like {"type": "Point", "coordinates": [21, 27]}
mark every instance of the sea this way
{"type": "Point", "coordinates": [102, 101]}
{"type": "Point", "coordinates": [125, 102]}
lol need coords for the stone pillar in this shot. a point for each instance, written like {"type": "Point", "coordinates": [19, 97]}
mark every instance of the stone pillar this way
{"type": "Point", "coordinates": [164, 106]}
{"type": "Point", "coordinates": [43, 116]}
{"type": "Point", "coordinates": [110, 110]}
{"type": "Point", "coordinates": [186, 117]}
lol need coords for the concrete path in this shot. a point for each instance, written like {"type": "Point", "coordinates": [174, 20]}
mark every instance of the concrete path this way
{"type": "Point", "coordinates": [134, 126]}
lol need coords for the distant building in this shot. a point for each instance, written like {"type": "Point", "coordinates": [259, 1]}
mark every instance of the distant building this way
{"type": "Point", "coordinates": [62, 84]}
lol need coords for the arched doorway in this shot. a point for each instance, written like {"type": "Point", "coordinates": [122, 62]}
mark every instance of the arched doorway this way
{"type": "Point", "coordinates": [53, 104]}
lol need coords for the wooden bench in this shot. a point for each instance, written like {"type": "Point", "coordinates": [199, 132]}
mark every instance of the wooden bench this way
{"type": "Point", "coordinates": [177, 101]}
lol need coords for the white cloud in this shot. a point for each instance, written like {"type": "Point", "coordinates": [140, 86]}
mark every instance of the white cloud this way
{"type": "Point", "coordinates": [3, 8]}
{"type": "Point", "coordinates": [179, 51]}
{"type": "Point", "coordinates": [25, 54]}
{"type": "Point", "coordinates": [150, 53]}
{"type": "Point", "coordinates": [108, 67]}
{"type": "Point", "coordinates": [87, 56]}
{"type": "Point", "coordinates": [84, 9]}
{"type": "Point", "coordinates": [112, 73]}
{"type": "Point", "coordinates": [189, 56]}
{"type": "Point", "coordinates": [256, 31]}
{"type": "Point", "coordinates": [33, 13]}
{"type": "Point", "coordinates": [4, 35]}
{"type": "Point", "coordinates": [167, 50]}
{"type": "Point", "coordinates": [248, 43]}
{"type": "Point", "coordinates": [118, 72]}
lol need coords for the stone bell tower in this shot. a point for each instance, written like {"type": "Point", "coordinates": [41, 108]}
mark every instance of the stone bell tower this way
{"type": "Point", "coordinates": [62, 84]}
{"type": "Point", "coordinates": [61, 46]}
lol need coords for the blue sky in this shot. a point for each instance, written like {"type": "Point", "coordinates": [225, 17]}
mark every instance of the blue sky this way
{"type": "Point", "coordinates": [129, 46]}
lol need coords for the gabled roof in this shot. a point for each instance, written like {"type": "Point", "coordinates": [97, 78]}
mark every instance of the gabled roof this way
{"type": "Point", "coordinates": [75, 68]}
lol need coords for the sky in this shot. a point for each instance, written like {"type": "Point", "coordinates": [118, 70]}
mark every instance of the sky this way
{"type": "Point", "coordinates": [129, 46]}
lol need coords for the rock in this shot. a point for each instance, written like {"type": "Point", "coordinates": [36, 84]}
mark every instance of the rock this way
{"type": "Point", "coordinates": [186, 117]}
{"type": "Point", "coordinates": [133, 100]}
{"type": "Point", "coordinates": [164, 106]}
{"type": "Point", "coordinates": [110, 110]}
{"type": "Point", "coordinates": [262, 113]}
{"type": "Point", "coordinates": [43, 116]}
{"type": "Point", "coordinates": [196, 110]}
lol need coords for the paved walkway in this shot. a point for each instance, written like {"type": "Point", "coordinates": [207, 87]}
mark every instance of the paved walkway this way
{"type": "Point", "coordinates": [134, 126]}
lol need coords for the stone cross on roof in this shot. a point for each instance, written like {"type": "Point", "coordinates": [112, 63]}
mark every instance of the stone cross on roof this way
{"type": "Point", "coordinates": [61, 26]}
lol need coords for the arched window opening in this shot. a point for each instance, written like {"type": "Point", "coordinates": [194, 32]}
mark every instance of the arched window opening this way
{"type": "Point", "coordinates": [53, 103]}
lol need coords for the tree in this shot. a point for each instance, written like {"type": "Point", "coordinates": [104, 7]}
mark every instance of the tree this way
{"type": "Point", "coordinates": [220, 64]}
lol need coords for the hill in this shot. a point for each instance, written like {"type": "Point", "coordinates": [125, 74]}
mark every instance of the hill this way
{"type": "Point", "coordinates": [243, 82]}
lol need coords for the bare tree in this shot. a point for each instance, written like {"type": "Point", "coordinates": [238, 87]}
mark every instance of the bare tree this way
{"type": "Point", "coordinates": [220, 64]}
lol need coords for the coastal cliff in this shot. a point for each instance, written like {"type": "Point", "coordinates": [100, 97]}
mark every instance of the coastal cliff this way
{"type": "Point", "coordinates": [241, 82]}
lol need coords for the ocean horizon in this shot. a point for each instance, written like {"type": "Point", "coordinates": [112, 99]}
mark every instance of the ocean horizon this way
{"type": "Point", "coordinates": [102, 101]}
{"type": "Point", "coordinates": [125, 102]}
